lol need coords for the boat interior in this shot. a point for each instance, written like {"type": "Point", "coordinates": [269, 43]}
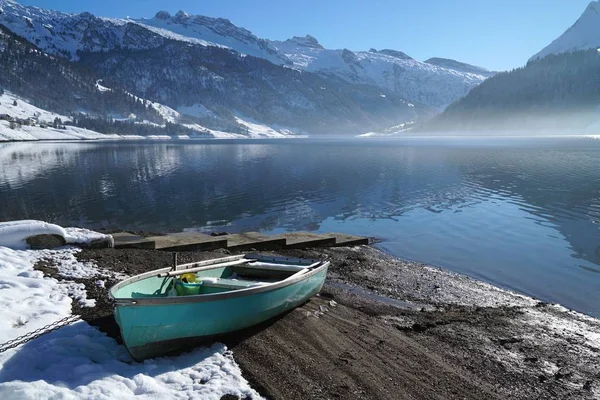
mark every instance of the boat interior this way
{"type": "Point", "coordinates": [215, 276]}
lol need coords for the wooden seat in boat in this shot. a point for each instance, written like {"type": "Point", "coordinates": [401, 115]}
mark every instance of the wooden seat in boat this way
{"type": "Point", "coordinates": [229, 283]}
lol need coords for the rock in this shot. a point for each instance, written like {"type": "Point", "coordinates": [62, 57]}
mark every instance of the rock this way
{"type": "Point", "coordinates": [507, 341]}
{"type": "Point", "coordinates": [107, 242]}
{"type": "Point", "coordinates": [47, 241]}
{"type": "Point", "coordinates": [230, 397]}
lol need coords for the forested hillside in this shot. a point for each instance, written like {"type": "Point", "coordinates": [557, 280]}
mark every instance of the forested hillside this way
{"type": "Point", "coordinates": [228, 84]}
{"type": "Point", "coordinates": [554, 93]}
{"type": "Point", "coordinates": [55, 84]}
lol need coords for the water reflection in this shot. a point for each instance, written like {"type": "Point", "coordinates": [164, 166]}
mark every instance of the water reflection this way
{"type": "Point", "coordinates": [459, 204]}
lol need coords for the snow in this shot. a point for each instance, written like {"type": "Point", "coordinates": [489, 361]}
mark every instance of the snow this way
{"type": "Point", "coordinates": [198, 110]}
{"type": "Point", "coordinates": [38, 133]}
{"type": "Point", "coordinates": [80, 235]}
{"type": "Point", "coordinates": [213, 132]}
{"type": "Point", "coordinates": [418, 81]}
{"type": "Point", "coordinates": [56, 32]}
{"type": "Point", "coordinates": [132, 137]}
{"type": "Point", "coordinates": [169, 34]}
{"type": "Point", "coordinates": [79, 361]}
{"type": "Point", "coordinates": [102, 88]}
{"type": "Point", "coordinates": [25, 110]}
{"type": "Point", "coordinates": [459, 66]}
{"type": "Point", "coordinates": [390, 132]}
{"type": "Point", "coordinates": [169, 114]}
{"type": "Point", "coordinates": [255, 130]}
{"type": "Point", "coordinates": [563, 322]}
{"type": "Point", "coordinates": [195, 110]}
{"type": "Point", "coordinates": [583, 35]}
{"type": "Point", "coordinates": [213, 31]}
{"type": "Point", "coordinates": [14, 233]}
{"type": "Point", "coordinates": [158, 137]}
{"type": "Point", "coordinates": [258, 130]}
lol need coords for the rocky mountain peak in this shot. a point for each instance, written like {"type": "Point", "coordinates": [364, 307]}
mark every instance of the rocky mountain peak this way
{"type": "Point", "coordinates": [593, 7]}
{"type": "Point", "coordinates": [306, 41]}
{"type": "Point", "coordinates": [396, 53]}
{"type": "Point", "coordinates": [182, 16]}
{"type": "Point", "coordinates": [162, 15]}
{"type": "Point", "coordinates": [583, 35]}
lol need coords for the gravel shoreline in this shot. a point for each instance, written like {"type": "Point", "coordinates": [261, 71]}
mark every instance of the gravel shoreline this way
{"type": "Point", "coordinates": [384, 328]}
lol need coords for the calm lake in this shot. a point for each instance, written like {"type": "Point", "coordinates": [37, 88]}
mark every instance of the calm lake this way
{"type": "Point", "coordinates": [520, 213]}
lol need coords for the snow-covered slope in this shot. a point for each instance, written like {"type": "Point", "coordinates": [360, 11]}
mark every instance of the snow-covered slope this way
{"type": "Point", "coordinates": [459, 66]}
{"type": "Point", "coordinates": [218, 31]}
{"type": "Point", "coordinates": [34, 133]}
{"type": "Point", "coordinates": [60, 33]}
{"type": "Point", "coordinates": [415, 81]}
{"type": "Point", "coordinates": [24, 110]}
{"type": "Point", "coordinates": [583, 35]}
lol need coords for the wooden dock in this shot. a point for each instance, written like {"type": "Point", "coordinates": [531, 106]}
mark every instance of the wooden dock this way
{"type": "Point", "coordinates": [193, 241]}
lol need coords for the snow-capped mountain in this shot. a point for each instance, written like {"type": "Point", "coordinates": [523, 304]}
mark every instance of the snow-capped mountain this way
{"type": "Point", "coordinates": [418, 82]}
{"type": "Point", "coordinates": [551, 95]}
{"type": "Point", "coordinates": [583, 35]}
{"type": "Point", "coordinates": [460, 66]}
{"type": "Point", "coordinates": [388, 69]}
{"type": "Point", "coordinates": [192, 62]}
{"type": "Point", "coordinates": [56, 32]}
{"type": "Point", "coordinates": [64, 34]}
{"type": "Point", "coordinates": [217, 31]}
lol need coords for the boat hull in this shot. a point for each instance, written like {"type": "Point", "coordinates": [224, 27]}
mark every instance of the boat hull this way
{"type": "Point", "coordinates": [151, 329]}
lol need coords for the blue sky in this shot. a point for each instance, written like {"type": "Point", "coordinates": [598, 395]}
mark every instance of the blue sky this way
{"type": "Point", "coordinates": [495, 34]}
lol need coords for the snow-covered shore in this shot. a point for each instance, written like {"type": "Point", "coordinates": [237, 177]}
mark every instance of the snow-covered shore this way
{"type": "Point", "coordinates": [79, 361]}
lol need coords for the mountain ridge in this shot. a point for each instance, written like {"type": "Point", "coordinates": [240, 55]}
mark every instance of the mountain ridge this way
{"type": "Point", "coordinates": [459, 66]}
{"type": "Point", "coordinates": [559, 93]}
{"type": "Point", "coordinates": [342, 90]}
{"type": "Point", "coordinates": [584, 34]}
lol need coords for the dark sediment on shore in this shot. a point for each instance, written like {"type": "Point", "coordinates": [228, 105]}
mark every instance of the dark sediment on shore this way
{"type": "Point", "coordinates": [389, 329]}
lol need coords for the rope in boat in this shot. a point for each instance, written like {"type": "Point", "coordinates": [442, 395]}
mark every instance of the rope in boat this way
{"type": "Point", "coordinates": [68, 320]}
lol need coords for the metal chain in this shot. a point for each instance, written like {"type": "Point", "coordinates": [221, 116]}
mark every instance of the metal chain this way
{"type": "Point", "coordinates": [38, 332]}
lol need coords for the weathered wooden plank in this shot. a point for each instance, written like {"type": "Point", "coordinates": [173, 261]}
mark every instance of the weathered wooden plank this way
{"type": "Point", "coordinates": [342, 239]}
{"type": "Point", "coordinates": [253, 240]}
{"type": "Point", "coordinates": [188, 241]}
{"type": "Point", "coordinates": [303, 240]}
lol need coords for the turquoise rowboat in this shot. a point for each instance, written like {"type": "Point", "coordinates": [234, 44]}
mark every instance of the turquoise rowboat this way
{"type": "Point", "coordinates": [158, 312]}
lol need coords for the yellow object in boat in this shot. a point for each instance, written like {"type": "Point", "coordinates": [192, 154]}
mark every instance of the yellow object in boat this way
{"type": "Point", "coordinates": [188, 278]}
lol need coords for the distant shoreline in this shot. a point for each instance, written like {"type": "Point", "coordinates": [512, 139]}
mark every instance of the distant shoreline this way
{"type": "Point", "coordinates": [150, 140]}
{"type": "Point", "coordinates": [354, 137]}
